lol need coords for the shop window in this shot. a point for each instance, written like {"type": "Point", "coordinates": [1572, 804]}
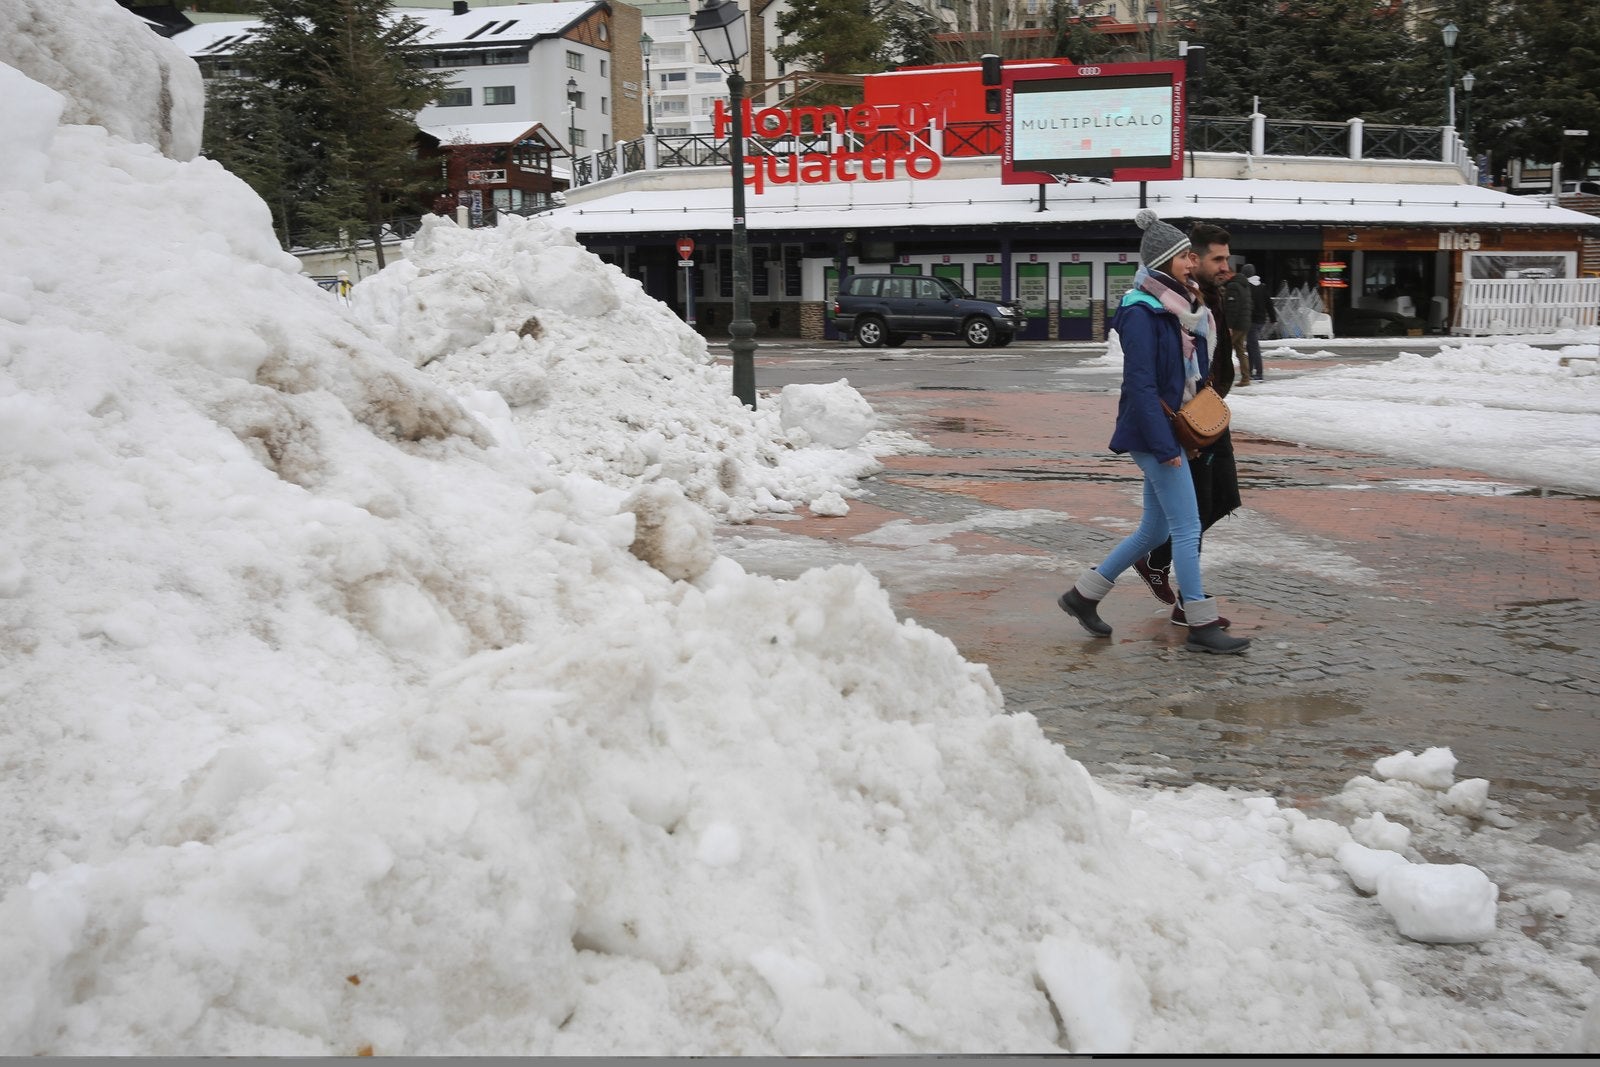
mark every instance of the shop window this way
{"type": "Point", "coordinates": [1524, 265]}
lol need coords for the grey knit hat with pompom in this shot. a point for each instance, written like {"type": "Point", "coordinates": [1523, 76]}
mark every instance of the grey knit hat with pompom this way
{"type": "Point", "coordinates": [1161, 241]}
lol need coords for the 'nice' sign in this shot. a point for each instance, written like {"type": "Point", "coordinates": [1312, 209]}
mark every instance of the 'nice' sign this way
{"type": "Point", "coordinates": [902, 153]}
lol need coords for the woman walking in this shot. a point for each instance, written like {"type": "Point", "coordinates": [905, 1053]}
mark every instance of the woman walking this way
{"type": "Point", "coordinates": [1158, 323]}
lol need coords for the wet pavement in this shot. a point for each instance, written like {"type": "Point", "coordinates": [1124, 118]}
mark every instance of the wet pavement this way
{"type": "Point", "coordinates": [1391, 606]}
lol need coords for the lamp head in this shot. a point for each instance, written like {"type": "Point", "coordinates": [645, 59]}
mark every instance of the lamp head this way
{"type": "Point", "coordinates": [1467, 81]}
{"type": "Point", "coordinates": [1450, 32]}
{"type": "Point", "coordinates": [722, 32]}
{"type": "Point", "coordinates": [645, 41]}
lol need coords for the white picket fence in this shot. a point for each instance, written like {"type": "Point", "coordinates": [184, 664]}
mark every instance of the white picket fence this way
{"type": "Point", "coordinates": [1527, 305]}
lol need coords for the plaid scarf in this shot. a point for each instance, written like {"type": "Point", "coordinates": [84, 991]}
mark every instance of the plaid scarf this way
{"type": "Point", "coordinates": [1192, 314]}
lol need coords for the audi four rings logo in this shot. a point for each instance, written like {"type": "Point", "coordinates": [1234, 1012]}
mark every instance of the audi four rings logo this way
{"type": "Point", "coordinates": [1088, 72]}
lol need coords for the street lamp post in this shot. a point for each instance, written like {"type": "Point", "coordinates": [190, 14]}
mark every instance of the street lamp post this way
{"type": "Point", "coordinates": [1467, 82]}
{"type": "Point", "coordinates": [649, 112]}
{"type": "Point", "coordinates": [1449, 33]}
{"type": "Point", "coordinates": [572, 131]}
{"type": "Point", "coordinates": [724, 37]}
{"type": "Point", "coordinates": [1152, 17]}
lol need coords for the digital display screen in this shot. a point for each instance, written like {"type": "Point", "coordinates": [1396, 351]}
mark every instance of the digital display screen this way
{"type": "Point", "coordinates": [1129, 123]}
{"type": "Point", "coordinates": [1111, 125]}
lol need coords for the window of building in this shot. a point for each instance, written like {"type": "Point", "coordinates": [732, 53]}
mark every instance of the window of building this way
{"type": "Point", "coordinates": [502, 56]}
{"type": "Point", "coordinates": [500, 94]}
{"type": "Point", "coordinates": [707, 76]}
{"type": "Point", "coordinates": [603, 73]}
{"type": "Point", "coordinates": [456, 98]}
{"type": "Point", "coordinates": [605, 141]}
{"type": "Point", "coordinates": [579, 139]}
{"type": "Point", "coordinates": [574, 60]}
{"type": "Point", "coordinates": [671, 107]}
{"type": "Point", "coordinates": [605, 105]}
{"type": "Point", "coordinates": [676, 77]}
{"type": "Point", "coordinates": [576, 99]}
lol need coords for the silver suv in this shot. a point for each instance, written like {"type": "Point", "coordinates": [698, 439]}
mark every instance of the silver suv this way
{"type": "Point", "coordinates": [885, 309]}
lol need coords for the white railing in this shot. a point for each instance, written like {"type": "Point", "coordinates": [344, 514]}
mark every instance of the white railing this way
{"type": "Point", "coordinates": [1527, 305]}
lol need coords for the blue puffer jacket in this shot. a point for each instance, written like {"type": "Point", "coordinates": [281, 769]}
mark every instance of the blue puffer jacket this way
{"type": "Point", "coordinates": [1152, 371]}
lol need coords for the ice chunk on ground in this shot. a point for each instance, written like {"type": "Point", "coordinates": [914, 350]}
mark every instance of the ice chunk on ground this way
{"type": "Point", "coordinates": [1376, 831]}
{"type": "Point", "coordinates": [1447, 903]}
{"type": "Point", "coordinates": [835, 415]}
{"type": "Point", "coordinates": [1435, 768]}
{"type": "Point", "coordinates": [1366, 866]}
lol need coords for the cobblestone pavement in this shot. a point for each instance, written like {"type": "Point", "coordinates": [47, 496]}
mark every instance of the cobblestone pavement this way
{"type": "Point", "coordinates": [1391, 606]}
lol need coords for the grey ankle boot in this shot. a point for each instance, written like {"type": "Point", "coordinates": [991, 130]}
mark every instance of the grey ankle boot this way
{"type": "Point", "coordinates": [1083, 599]}
{"type": "Point", "coordinates": [1205, 630]}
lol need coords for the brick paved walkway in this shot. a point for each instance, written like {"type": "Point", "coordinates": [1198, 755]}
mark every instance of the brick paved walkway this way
{"type": "Point", "coordinates": [1391, 606]}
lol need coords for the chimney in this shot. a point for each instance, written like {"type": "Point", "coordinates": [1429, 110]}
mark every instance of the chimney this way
{"type": "Point", "coordinates": [460, 7]}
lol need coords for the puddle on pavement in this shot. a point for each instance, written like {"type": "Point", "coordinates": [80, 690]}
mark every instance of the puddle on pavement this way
{"type": "Point", "coordinates": [953, 424]}
{"type": "Point", "coordinates": [1545, 646]}
{"type": "Point", "coordinates": [1286, 710]}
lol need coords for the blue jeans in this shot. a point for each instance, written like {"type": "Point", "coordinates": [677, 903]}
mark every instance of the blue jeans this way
{"type": "Point", "coordinates": [1252, 348]}
{"type": "Point", "coordinates": [1170, 510]}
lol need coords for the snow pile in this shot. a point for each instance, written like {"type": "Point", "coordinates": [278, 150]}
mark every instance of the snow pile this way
{"type": "Point", "coordinates": [563, 354]}
{"type": "Point", "coordinates": [1507, 409]}
{"type": "Point", "coordinates": [134, 83]}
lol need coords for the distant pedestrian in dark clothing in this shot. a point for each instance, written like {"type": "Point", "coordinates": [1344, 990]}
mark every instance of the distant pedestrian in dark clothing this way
{"type": "Point", "coordinates": [1238, 306]}
{"type": "Point", "coordinates": [1262, 312]}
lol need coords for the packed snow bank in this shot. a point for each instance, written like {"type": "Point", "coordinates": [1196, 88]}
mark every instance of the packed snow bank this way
{"type": "Point", "coordinates": [1506, 409]}
{"type": "Point", "coordinates": [564, 354]}
{"type": "Point", "coordinates": [134, 83]}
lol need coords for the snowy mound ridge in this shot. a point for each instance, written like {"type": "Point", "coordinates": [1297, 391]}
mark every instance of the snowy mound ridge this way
{"type": "Point", "coordinates": [564, 354]}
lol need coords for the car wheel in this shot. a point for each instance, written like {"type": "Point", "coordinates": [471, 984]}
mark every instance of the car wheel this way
{"type": "Point", "coordinates": [895, 340]}
{"type": "Point", "coordinates": [978, 332]}
{"type": "Point", "coordinates": [869, 333]}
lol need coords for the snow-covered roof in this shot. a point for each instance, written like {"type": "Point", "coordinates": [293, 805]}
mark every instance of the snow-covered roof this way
{"type": "Point", "coordinates": [481, 132]}
{"type": "Point", "coordinates": [214, 38]}
{"type": "Point", "coordinates": [517, 23]}
{"type": "Point", "coordinates": [986, 202]}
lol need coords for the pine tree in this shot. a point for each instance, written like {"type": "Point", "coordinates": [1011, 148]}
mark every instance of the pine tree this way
{"type": "Point", "coordinates": [332, 75]}
{"type": "Point", "coordinates": [833, 37]}
{"type": "Point", "coordinates": [247, 131]}
{"type": "Point", "coordinates": [1547, 85]}
{"type": "Point", "coordinates": [1320, 60]}
{"type": "Point", "coordinates": [908, 41]}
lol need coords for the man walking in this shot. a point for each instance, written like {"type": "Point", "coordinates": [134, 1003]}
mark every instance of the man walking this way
{"type": "Point", "coordinates": [1239, 307]}
{"type": "Point", "coordinates": [1262, 312]}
